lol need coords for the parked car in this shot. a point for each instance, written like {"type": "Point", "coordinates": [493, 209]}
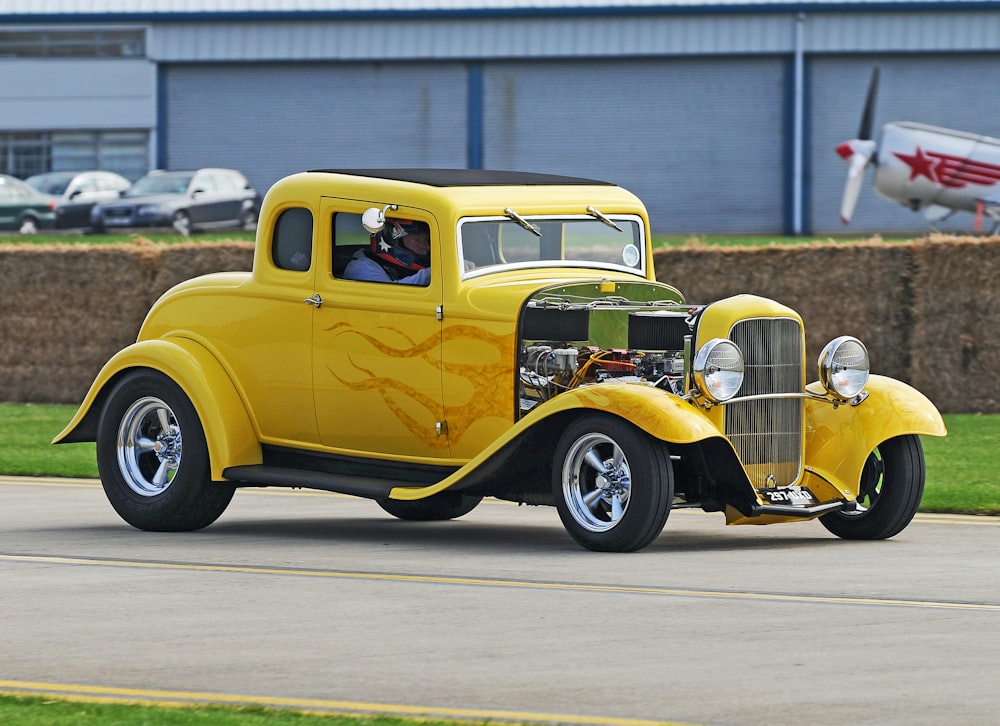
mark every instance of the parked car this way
{"type": "Point", "coordinates": [540, 363]}
{"type": "Point", "coordinates": [76, 192]}
{"type": "Point", "coordinates": [186, 200]}
{"type": "Point", "coordinates": [23, 208]}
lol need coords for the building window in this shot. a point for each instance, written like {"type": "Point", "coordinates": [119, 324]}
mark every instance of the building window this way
{"type": "Point", "coordinates": [94, 43]}
{"type": "Point", "coordinates": [27, 153]}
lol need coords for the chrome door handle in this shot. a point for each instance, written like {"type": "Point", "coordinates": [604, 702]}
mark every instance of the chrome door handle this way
{"type": "Point", "coordinates": [314, 300]}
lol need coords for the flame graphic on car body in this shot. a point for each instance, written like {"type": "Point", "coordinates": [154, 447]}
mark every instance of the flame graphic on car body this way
{"type": "Point", "coordinates": [474, 365]}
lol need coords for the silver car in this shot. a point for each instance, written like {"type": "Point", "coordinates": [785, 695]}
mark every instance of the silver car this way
{"type": "Point", "coordinates": [186, 200]}
{"type": "Point", "coordinates": [76, 192]}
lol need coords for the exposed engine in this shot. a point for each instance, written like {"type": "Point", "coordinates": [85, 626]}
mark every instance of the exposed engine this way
{"type": "Point", "coordinates": [558, 355]}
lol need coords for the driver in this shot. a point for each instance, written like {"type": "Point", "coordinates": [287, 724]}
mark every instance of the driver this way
{"type": "Point", "coordinates": [400, 252]}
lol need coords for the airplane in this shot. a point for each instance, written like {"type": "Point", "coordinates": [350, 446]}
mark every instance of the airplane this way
{"type": "Point", "coordinates": [937, 170]}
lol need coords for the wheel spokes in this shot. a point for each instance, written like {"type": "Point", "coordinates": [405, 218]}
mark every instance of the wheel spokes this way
{"type": "Point", "coordinates": [595, 462]}
{"type": "Point", "coordinates": [616, 507]}
{"type": "Point", "coordinates": [145, 445]}
{"type": "Point", "coordinates": [160, 477]}
{"type": "Point", "coordinates": [164, 418]}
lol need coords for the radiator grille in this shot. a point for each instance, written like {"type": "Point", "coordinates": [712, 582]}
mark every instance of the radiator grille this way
{"type": "Point", "coordinates": [767, 434]}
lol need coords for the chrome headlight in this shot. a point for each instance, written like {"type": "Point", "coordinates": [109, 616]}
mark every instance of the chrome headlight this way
{"type": "Point", "coordinates": [843, 366]}
{"type": "Point", "coordinates": [718, 370]}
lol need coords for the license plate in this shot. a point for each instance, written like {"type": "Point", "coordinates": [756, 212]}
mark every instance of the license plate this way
{"type": "Point", "coordinates": [795, 496]}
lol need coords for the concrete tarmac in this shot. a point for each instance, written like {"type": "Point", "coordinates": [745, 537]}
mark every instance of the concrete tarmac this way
{"type": "Point", "coordinates": [321, 602]}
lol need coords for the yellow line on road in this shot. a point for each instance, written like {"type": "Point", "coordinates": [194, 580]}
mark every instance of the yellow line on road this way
{"type": "Point", "coordinates": [488, 582]}
{"type": "Point", "coordinates": [155, 696]}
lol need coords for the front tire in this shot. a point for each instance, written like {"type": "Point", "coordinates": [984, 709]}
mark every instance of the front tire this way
{"type": "Point", "coordinates": [153, 459]}
{"type": "Point", "coordinates": [892, 485]}
{"type": "Point", "coordinates": [613, 484]}
{"type": "Point", "coordinates": [441, 506]}
{"type": "Point", "coordinates": [29, 225]}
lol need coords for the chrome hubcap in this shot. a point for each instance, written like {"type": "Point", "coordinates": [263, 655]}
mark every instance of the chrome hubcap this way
{"type": "Point", "coordinates": [596, 482]}
{"type": "Point", "coordinates": [149, 446]}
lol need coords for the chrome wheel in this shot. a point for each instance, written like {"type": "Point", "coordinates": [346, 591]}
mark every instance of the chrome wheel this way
{"type": "Point", "coordinates": [182, 223]}
{"type": "Point", "coordinates": [149, 446]}
{"type": "Point", "coordinates": [153, 479]}
{"type": "Point", "coordinates": [28, 226]}
{"type": "Point", "coordinates": [597, 482]}
{"type": "Point", "coordinates": [612, 482]}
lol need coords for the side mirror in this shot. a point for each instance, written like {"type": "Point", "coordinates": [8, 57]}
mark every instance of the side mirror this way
{"type": "Point", "coordinates": [373, 218]}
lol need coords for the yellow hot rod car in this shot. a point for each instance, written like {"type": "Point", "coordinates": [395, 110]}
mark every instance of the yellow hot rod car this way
{"type": "Point", "coordinates": [529, 355]}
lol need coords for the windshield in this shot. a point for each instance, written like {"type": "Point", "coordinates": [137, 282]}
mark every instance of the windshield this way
{"type": "Point", "coordinates": [54, 184]}
{"type": "Point", "coordinates": [493, 243]}
{"type": "Point", "coordinates": [160, 184]}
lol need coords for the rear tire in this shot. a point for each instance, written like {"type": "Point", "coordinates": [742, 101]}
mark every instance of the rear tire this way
{"type": "Point", "coordinates": [891, 487]}
{"type": "Point", "coordinates": [182, 223]}
{"type": "Point", "coordinates": [153, 459]}
{"type": "Point", "coordinates": [613, 484]}
{"type": "Point", "coordinates": [248, 220]}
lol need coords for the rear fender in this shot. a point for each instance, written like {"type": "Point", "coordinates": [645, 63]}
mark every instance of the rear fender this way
{"type": "Point", "coordinates": [228, 430]}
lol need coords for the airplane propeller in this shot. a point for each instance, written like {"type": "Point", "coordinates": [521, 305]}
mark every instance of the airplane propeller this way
{"type": "Point", "coordinates": [858, 153]}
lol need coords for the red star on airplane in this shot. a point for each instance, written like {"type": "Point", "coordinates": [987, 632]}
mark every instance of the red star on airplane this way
{"type": "Point", "coordinates": [951, 171]}
{"type": "Point", "coordinates": [919, 164]}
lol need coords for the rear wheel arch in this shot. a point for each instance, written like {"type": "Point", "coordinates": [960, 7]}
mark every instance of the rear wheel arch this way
{"type": "Point", "coordinates": [228, 427]}
{"type": "Point", "coordinates": [153, 458]}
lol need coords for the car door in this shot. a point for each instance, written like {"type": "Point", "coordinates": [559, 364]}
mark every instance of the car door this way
{"type": "Point", "coordinates": [377, 349]}
{"type": "Point", "coordinates": [9, 207]}
{"type": "Point", "coordinates": [268, 340]}
{"type": "Point", "coordinates": [229, 202]}
{"type": "Point", "coordinates": [81, 195]}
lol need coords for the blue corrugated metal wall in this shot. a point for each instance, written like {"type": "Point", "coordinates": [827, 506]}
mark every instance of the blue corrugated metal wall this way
{"type": "Point", "coordinates": [270, 121]}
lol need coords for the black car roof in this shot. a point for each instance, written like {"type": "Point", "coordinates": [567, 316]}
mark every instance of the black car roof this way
{"type": "Point", "coordinates": [467, 177]}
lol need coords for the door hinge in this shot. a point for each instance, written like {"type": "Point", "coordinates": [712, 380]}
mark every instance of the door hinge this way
{"type": "Point", "coordinates": [441, 428]}
{"type": "Point", "coordinates": [440, 312]}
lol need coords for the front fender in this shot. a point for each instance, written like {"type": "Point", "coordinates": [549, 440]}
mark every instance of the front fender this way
{"type": "Point", "coordinates": [658, 413]}
{"type": "Point", "coordinates": [838, 440]}
{"type": "Point", "coordinates": [228, 430]}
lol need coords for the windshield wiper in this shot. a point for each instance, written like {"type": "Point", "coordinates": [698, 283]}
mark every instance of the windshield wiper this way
{"type": "Point", "coordinates": [594, 212]}
{"type": "Point", "coordinates": [522, 221]}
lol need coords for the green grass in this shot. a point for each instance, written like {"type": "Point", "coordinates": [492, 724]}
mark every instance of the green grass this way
{"type": "Point", "coordinates": [961, 469]}
{"type": "Point", "coordinates": [26, 430]}
{"type": "Point", "coordinates": [47, 711]}
{"type": "Point", "coordinates": [76, 238]}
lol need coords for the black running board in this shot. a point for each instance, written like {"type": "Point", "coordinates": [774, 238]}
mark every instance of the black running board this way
{"type": "Point", "coordinates": [279, 476]}
{"type": "Point", "coordinates": [787, 510]}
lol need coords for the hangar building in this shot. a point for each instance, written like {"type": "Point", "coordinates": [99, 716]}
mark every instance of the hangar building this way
{"type": "Point", "coordinates": [721, 114]}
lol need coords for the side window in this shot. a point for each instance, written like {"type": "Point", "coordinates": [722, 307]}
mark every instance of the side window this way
{"type": "Point", "coordinates": [400, 252]}
{"type": "Point", "coordinates": [291, 244]}
{"type": "Point", "coordinates": [349, 237]}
